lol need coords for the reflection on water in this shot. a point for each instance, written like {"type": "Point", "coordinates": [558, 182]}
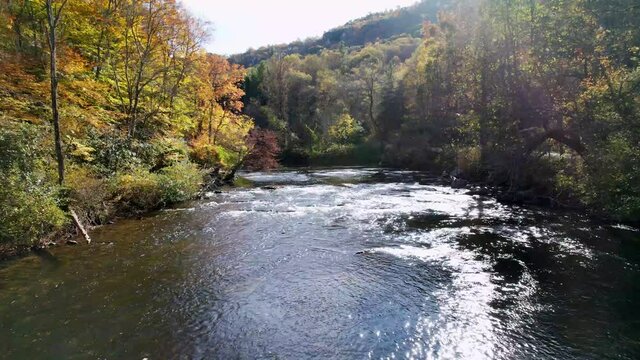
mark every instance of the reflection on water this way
{"type": "Point", "coordinates": [343, 263]}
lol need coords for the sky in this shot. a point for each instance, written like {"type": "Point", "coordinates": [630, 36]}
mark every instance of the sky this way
{"type": "Point", "coordinates": [241, 24]}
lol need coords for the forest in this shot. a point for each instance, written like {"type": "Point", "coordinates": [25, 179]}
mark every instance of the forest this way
{"type": "Point", "coordinates": [541, 98]}
{"type": "Point", "coordinates": [356, 33]}
{"type": "Point", "coordinates": [109, 108]}
{"type": "Point", "coordinates": [113, 108]}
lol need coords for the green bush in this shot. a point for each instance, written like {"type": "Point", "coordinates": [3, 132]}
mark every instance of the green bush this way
{"type": "Point", "coordinates": [468, 160]}
{"type": "Point", "coordinates": [137, 191]}
{"type": "Point", "coordinates": [142, 190]}
{"type": "Point", "coordinates": [111, 152]}
{"type": "Point", "coordinates": [613, 179]}
{"type": "Point", "coordinates": [346, 130]}
{"type": "Point", "coordinates": [180, 182]}
{"type": "Point", "coordinates": [29, 201]}
{"type": "Point", "coordinates": [163, 152]}
{"type": "Point", "coordinates": [28, 210]}
{"type": "Point", "coordinates": [294, 157]}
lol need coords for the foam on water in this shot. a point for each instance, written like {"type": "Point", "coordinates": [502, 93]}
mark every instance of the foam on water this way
{"type": "Point", "coordinates": [333, 263]}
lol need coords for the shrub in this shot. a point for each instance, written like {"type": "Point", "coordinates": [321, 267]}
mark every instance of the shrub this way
{"type": "Point", "coordinates": [28, 196]}
{"type": "Point", "coordinates": [228, 158]}
{"type": "Point", "coordinates": [613, 179]}
{"type": "Point", "coordinates": [137, 191]}
{"type": "Point", "coordinates": [204, 153]}
{"type": "Point", "coordinates": [348, 154]}
{"type": "Point", "coordinates": [468, 161]}
{"type": "Point", "coordinates": [180, 182]}
{"type": "Point", "coordinates": [294, 157]}
{"type": "Point", "coordinates": [111, 152]}
{"type": "Point", "coordinates": [142, 190]}
{"type": "Point", "coordinates": [164, 152]}
{"type": "Point", "coordinates": [346, 130]}
{"type": "Point", "coordinates": [90, 196]}
{"type": "Point", "coordinates": [28, 211]}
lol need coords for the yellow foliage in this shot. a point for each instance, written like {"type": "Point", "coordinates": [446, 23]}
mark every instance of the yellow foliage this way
{"type": "Point", "coordinates": [204, 152]}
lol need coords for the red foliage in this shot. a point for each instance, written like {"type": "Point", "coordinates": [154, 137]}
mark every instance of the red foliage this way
{"type": "Point", "coordinates": [264, 150]}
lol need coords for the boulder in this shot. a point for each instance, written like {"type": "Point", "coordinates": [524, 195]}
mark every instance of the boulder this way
{"type": "Point", "coordinates": [458, 183]}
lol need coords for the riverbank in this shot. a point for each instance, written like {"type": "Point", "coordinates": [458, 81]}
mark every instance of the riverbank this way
{"type": "Point", "coordinates": [140, 197]}
{"type": "Point", "coordinates": [531, 187]}
{"type": "Point", "coordinates": [530, 197]}
{"type": "Point", "coordinates": [100, 202]}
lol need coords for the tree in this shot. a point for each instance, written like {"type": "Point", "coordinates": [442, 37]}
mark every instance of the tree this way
{"type": "Point", "coordinates": [53, 19]}
{"type": "Point", "coordinates": [219, 93]}
{"type": "Point", "coordinates": [368, 73]}
{"type": "Point", "coordinates": [346, 130]}
{"type": "Point", "coordinates": [263, 150]}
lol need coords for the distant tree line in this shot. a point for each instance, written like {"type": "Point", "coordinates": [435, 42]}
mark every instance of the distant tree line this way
{"type": "Point", "coordinates": [355, 34]}
{"type": "Point", "coordinates": [537, 96]}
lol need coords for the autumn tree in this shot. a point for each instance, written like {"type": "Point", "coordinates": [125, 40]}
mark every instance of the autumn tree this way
{"type": "Point", "coordinates": [263, 150]}
{"type": "Point", "coordinates": [157, 44]}
{"type": "Point", "coordinates": [54, 12]}
{"type": "Point", "coordinates": [219, 93]}
{"type": "Point", "coordinates": [107, 24]}
{"type": "Point", "coordinates": [123, 83]}
{"type": "Point", "coordinates": [368, 74]}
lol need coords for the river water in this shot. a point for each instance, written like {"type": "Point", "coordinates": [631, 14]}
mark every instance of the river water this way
{"type": "Point", "coordinates": [342, 263]}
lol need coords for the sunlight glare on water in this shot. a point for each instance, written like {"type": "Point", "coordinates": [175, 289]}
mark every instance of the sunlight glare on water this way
{"type": "Point", "coordinates": [340, 263]}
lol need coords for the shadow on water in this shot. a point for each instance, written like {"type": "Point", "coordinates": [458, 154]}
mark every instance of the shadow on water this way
{"type": "Point", "coordinates": [49, 260]}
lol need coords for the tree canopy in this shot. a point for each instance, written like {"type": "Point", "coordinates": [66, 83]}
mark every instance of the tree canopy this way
{"type": "Point", "coordinates": [532, 95]}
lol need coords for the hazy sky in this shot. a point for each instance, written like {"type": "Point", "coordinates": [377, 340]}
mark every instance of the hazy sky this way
{"type": "Point", "coordinates": [241, 24]}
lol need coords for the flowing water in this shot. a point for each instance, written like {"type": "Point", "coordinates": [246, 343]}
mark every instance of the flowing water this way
{"type": "Point", "coordinates": [345, 264]}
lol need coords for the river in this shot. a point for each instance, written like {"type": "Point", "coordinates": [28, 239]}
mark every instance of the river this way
{"type": "Point", "coordinates": [340, 263]}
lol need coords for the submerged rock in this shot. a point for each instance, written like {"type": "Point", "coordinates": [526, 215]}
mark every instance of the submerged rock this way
{"type": "Point", "coordinates": [458, 183]}
{"type": "Point", "coordinates": [480, 192]}
{"type": "Point", "coordinates": [363, 252]}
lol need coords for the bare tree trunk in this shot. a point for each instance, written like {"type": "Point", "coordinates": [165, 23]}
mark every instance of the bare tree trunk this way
{"type": "Point", "coordinates": [372, 119]}
{"type": "Point", "coordinates": [53, 17]}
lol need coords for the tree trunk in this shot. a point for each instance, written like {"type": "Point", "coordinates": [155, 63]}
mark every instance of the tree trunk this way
{"type": "Point", "coordinates": [218, 127]}
{"type": "Point", "coordinates": [53, 18]}
{"type": "Point", "coordinates": [210, 130]}
{"type": "Point", "coordinates": [78, 224]}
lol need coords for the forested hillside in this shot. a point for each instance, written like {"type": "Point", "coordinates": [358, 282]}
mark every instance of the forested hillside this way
{"type": "Point", "coordinates": [113, 107]}
{"type": "Point", "coordinates": [385, 26]}
{"type": "Point", "coordinates": [108, 107]}
{"type": "Point", "coordinates": [541, 97]}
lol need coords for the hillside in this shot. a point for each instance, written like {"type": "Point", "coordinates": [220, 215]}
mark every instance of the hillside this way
{"type": "Point", "coordinates": [542, 98]}
{"type": "Point", "coordinates": [98, 120]}
{"type": "Point", "coordinates": [356, 33]}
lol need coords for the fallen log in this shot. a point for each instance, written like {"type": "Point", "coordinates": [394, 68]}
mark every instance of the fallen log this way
{"type": "Point", "coordinates": [78, 224]}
